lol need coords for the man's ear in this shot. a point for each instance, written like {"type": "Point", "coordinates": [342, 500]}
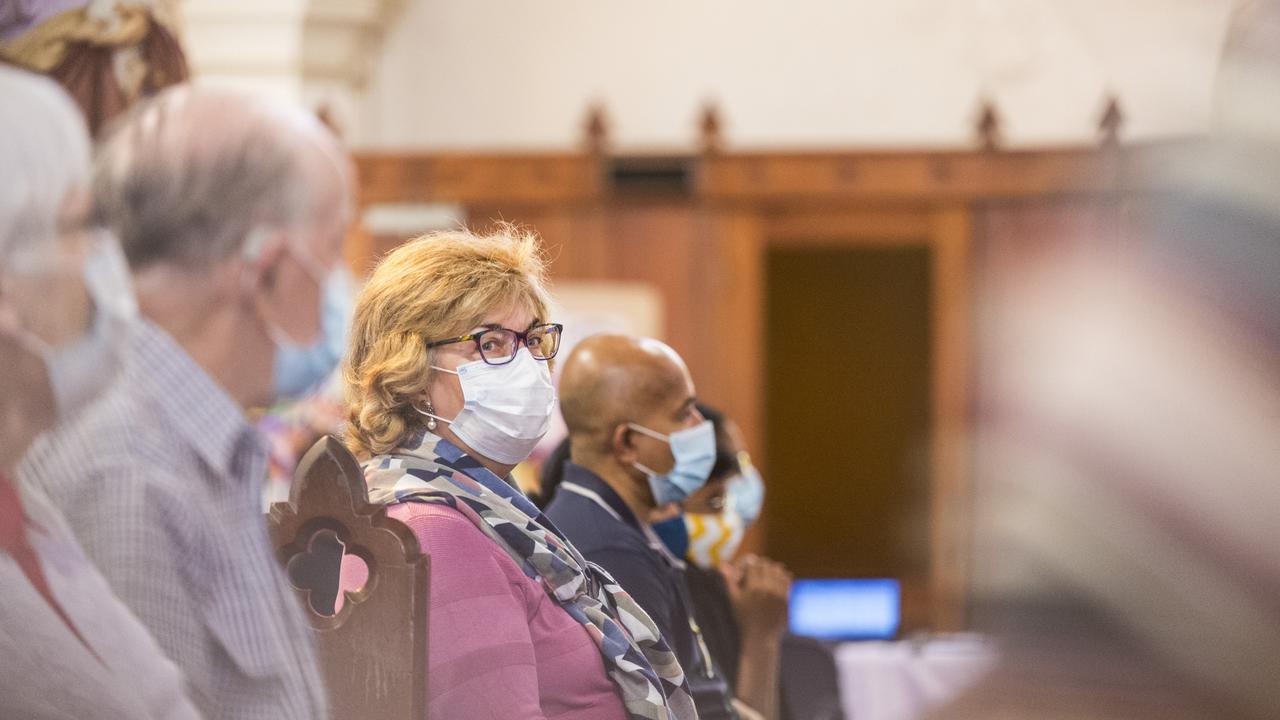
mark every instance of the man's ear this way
{"type": "Point", "coordinates": [261, 254]}
{"type": "Point", "coordinates": [622, 445]}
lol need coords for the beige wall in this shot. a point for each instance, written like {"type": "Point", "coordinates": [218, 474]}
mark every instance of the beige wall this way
{"type": "Point", "coordinates": [486, 73]}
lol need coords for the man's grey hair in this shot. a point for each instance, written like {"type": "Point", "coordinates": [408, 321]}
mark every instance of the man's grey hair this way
{"type": "Point", "coordinates": [44, 158]}
{"type": "Point", "coordinates": [187, 176]}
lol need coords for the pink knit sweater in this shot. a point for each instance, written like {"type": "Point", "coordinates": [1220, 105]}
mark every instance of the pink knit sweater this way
{"type": "Point", "coordinates": [500, 648]}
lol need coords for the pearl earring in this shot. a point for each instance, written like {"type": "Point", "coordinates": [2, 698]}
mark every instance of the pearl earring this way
{"type": "Point", "coordinates": [431, 422]}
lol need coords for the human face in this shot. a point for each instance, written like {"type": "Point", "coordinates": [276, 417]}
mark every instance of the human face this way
{"type": "Point", "coordinates": [42, 286]}
{"type": "Point", "coordinates": [43, 300]}
{"type": "Point", "coordinates": [296, 262]}
{"type": "Point", "coordinates": [709, 499]}
{"type": "Point", "coordinates": [302, 264]}
{"type": "Point", "coordinates": [444, 391]}
{"type": "Point", "coordinates": [675, 410]}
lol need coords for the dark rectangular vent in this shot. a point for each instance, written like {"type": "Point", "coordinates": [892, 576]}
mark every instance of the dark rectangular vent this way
{"type": "Point", "coordinates": [651, 175]}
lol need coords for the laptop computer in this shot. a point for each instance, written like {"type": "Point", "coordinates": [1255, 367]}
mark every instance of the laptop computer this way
{"type": "Point", "coordinates": [845, 609]}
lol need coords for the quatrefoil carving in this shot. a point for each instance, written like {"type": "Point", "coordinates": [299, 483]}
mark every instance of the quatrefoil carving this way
{"type": "Point", "coordinates": [327, 570]}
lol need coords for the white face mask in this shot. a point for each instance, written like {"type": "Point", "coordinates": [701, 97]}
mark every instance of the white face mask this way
{"type": "Point", "coordinates": [506, 408]}
{"type": "Point", "coordinates": [744, 493]}
{"type": "Point", "coordinates": [79, 370]}
{"type": "Point", "coordinates": [714, 537]}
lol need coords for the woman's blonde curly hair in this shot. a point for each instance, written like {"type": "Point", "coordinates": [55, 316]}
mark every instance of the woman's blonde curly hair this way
{"type": "Point", "coordinates": [436, 286]}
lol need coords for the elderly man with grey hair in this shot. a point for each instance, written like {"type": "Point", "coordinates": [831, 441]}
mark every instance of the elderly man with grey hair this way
{"type": "Point", "coordinates": [71, 649]}
{"type": "Point", "coordinates": [231, 211]}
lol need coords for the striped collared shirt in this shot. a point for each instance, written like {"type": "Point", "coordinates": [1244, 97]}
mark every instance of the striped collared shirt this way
{"type": "Point", "coordinates": [161, 481]}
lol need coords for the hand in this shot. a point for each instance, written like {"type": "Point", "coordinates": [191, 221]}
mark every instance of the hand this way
{"type": "Point", "coordinates": [758, 589]}
{"type": "Point", "coordinates": [744, 711]}
{"type": "Point", "coordinates": [663, 513]}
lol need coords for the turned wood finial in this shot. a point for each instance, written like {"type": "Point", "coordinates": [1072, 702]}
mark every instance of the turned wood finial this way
{"type": "Point", "coordinates": [596, 130]}
{"type": "Point", "coordinates": [1110, 123]}
{"type": "Point", "coordinates": [709, 129]}
{"type": "Point", "coordinates": [988, 126]}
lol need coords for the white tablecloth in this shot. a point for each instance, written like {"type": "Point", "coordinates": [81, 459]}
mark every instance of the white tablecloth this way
{"type": "Point", "coordinates": [903, 680]}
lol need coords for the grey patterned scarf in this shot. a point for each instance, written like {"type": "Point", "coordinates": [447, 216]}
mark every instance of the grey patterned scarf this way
{"type": "Point", "coordinates": [645, 670]}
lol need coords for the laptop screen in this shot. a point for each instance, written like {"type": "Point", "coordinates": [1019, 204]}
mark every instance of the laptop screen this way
{"type": "Point", "coordinates": [845, 609]}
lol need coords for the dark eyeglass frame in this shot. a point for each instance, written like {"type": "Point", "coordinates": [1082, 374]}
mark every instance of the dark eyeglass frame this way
{"type": "Point", "coordinates": [522, 338]}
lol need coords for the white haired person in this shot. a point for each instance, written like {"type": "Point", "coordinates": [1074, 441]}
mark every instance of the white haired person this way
{"type": "Point", "coordinates": [231, 210]}
{"type": "Point", "coordinates": [70, 648]}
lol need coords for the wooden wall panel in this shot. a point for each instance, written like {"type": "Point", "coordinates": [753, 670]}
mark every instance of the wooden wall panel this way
{"type": "Point", "coordinates": [903, 224]}
{"type": "Point", "coordinates": [735, 332]}
{"type": "Point", "coordinates": [850, 417]}
{"type": "Point", "coordinates": [569, 235]}
{"type": "Point", "coordinates": [654, 243]}
{"type": "Point", "coordinates": [980, 213]}
{"type": "Point", "coordinates": [904, 176]}
{"type": "Point", "coordinates": [735, 322]}
{"type": "Point", "coordinates": [477, 178]}
{"type": "Point", "coordinates": [949, 531]}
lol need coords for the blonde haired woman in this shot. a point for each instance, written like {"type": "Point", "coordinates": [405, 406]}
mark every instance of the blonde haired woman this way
{"type": "Point", "coordinates": [448, 389]}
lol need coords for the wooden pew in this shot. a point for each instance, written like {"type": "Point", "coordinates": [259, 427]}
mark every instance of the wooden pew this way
{"type": "Point", "coordinates": [373, 649]}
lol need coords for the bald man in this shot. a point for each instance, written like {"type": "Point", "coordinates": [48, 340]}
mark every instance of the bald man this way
{"type": "Point", "coordinates": [637, 442]}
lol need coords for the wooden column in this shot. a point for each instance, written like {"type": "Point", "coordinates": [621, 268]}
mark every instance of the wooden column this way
{"type": "Point", "coordinates": [952, 370]}
{"type": "Point", "coordinates": [736, 335]}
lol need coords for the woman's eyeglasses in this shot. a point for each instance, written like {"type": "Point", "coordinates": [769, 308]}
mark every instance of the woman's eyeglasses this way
{"type": "Point", "coordinates": [498, 346]}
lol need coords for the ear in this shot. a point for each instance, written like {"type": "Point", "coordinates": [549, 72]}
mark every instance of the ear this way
{"type": "Point", "coordinates": [432, 375]}
{"type": "Point", "coordinates": [263, 249]}
{"type": "Point", "coordinates": [622, 445]}
{"type": "Point", "coordinates": [10, 323]}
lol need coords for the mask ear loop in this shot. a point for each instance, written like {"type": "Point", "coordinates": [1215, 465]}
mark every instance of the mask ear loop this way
{"type": "Point", "coordinates": [254, 243]}
{"type": "Point", "coordinates": [15, 327]}
{"type": "Point", "coordinates": [432, 418]}
{"type": "Point", "coordinates": [651, 433]}
{"type": "Point", "coordinates": [34, 344]}
{"type": "Point", "coordinates": [650, 472]}
{"type": "Point", "coordinates": [646, 469]}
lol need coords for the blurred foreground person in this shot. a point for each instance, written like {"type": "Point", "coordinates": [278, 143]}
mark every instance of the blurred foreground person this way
{"type": "Point", "coordinates": [70, 648]}
{"type": "Point", "coordinates": [1129, 442]}
{"type": "Point", "coordinates": [231, 211]}
{"type": "Point", "coordinates": [448, 388]}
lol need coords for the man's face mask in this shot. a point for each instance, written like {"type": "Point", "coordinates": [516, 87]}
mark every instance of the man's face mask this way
{"type": "Point", "coordinates": [694, 450]}
{"type": "Point", "coordinates": [301, 367]}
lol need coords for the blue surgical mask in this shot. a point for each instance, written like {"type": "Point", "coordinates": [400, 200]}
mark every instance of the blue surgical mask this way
{"type": "Point", "coordinates": [302, 368]}
{"type": "Point", "coordinates": [694, 450]}
{"type": "Point", "coordinates": [674, 535]}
